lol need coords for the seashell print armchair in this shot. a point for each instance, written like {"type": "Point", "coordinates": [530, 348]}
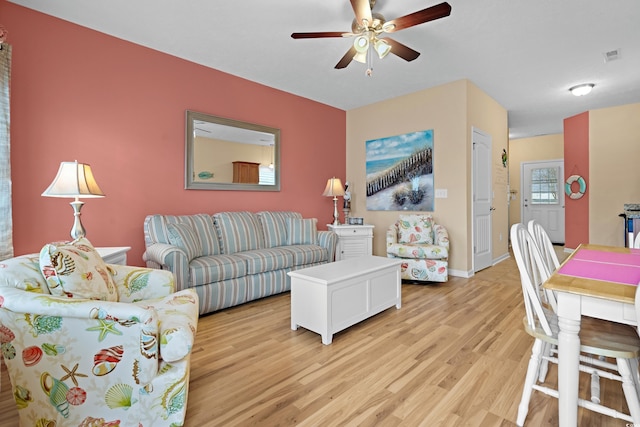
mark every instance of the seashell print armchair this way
{"type": "Point", "coordinates": [76, 361]}
{"type": "Point", "coordinates": [423, 247]}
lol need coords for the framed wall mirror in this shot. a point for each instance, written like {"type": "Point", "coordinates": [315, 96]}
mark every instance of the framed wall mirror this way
{"type": "Point", "coordinates": [227, 154]}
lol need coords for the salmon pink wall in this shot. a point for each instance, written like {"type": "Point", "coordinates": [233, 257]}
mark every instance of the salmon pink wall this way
{"type": "Point", "coordinates": [77, 94]}
{"type": "Point", "coordinates": [576, 162]}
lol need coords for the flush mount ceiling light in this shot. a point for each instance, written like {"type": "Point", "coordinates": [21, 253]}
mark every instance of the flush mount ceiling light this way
{"type": "Point", "coordinates": [582, 89]}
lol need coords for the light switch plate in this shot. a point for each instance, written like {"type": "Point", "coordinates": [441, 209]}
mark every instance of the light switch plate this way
{"type": "Point", "coordinates": [441, 193]}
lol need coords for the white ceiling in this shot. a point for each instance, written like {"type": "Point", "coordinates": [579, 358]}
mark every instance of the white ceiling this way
{"type": "Point", "coordinates": [523, 53]}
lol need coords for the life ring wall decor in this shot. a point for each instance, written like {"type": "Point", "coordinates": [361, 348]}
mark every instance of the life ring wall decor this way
{"type": "Point", "coordinates": [581, 183]}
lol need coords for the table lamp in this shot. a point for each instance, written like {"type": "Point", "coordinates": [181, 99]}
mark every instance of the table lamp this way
{"type": "Point", "coordinates": [74, 180]}
{"type": "Point", "coordinates": [334, 189]}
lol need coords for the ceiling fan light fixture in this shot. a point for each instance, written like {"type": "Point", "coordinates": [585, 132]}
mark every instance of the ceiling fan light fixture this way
{"type": "Point", "coordinates": [360, 57]}
{"type": "Point", "coordinates": [581, 90]}
{"type": "Point", "coordinates": [366, 26]}
{"type": "Point", "coordinates": [382, 48]}
{"type": "Point", "coordinates": [387, 27]}
{"type": "Point", "coordinates": [361, 44]}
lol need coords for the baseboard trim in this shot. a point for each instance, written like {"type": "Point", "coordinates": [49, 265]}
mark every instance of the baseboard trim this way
{"type": "Point", "coordinates": [470, 273]}
{"type": "Point", "coordinates": [460, 273]}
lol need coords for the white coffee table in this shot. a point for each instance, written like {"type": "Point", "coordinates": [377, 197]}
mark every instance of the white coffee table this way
{"type": "Point", "coordinates": [331, 297]}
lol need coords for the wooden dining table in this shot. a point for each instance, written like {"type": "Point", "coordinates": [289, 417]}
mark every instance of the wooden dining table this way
{"type": "Point", "coordinates": [596, 281]}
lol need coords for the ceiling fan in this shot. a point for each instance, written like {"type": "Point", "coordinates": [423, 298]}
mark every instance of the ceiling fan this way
{"type": "Point", "coordinates": [367, 27]}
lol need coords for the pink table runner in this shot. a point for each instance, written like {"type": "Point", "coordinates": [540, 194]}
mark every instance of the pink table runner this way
{"type": "Point", "coordinates": [606, 266]}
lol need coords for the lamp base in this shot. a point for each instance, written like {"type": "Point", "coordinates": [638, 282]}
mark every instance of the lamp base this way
{"type": "Point", "coordinates": [77, 231]}
{"type": "Point", "coordinates": [336, 218]}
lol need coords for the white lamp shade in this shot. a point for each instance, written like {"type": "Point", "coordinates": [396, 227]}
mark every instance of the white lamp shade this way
{"type": "Point", "coordinates": [74, 180]}
{"type": "Point", "coordinates": [334, 188]}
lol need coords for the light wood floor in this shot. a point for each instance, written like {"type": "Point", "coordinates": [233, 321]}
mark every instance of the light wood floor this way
{"type": "Point", "coordinates": [455, 354]}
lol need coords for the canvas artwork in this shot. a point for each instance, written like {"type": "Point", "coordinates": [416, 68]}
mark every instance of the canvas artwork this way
{"type": "Point", "coordinates": [400, 172]}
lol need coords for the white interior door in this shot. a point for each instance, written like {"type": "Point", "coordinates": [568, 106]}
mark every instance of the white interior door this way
{"type": "Point", "coordinates": [482, 200]}
{"type": "Point", "coordinates": [543, 196]}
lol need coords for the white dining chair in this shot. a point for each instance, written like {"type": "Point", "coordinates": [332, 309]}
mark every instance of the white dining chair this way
{"type": "Point", "coordinates": [543, 241]}
{"type": "Point", "coordinates": [550, 260]}
{"type": "Point", "coordinates": [597, 338]}
{"type": "Point", "coordinates": [638, 307]}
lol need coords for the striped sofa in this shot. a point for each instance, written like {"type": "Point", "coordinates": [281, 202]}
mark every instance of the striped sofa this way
{"type": "Point", "coordinates": [233, 257]}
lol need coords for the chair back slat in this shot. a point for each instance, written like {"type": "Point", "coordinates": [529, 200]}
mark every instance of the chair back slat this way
{"type": "Point", "coordinates": [549, 256]}
{"type": "Point", "coordinates": [533, 273]}
{"type": "Point", "coordinates": [545, 246]}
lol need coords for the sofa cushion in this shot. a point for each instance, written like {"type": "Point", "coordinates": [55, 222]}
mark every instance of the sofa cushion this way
{"type": "Point", "coordinates": [302, 231]}
{"type": "Point", "coordinates": [424, 270]}
{"type": "Point", "coordinates": [238, 232]}
{"type": "Point", "coordinates": [274, 227]}
{"type": "Point", "coordinates": [267, 260]}
{"type": "Point", "coordinates": [268, 283]}
{"type": "Point", "coordinates": [24, 273]}
{"type": "Point", "coordinates": [184, 236]}
{"type": "Point", "coordinates": [155, 231]}
{"type": "Point", "coordinates": [307, 254]}
{"type": "Point", "coordinates": [216, 268]}
{"type": "Point", "coordinates": [415, 229]}
{"type": "Point", "coordinates": [417, 251]}
{"type": "Point", "coordinates": [76, 270]}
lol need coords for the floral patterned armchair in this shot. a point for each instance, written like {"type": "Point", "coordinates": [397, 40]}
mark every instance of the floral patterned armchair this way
{"type": "Point", "coordinates": [423, 247]}
{"type": "Point", "coordinates": [76, 361]}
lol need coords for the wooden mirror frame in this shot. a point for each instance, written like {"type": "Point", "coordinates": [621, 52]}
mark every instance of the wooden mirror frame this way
{"type": "Point", "coordinates": [248, 131]}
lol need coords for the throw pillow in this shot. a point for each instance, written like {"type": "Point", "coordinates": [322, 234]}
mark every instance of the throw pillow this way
{"type": "Point", "coordinates": [76, 270]}
{"type": "Point", "coordinates": [274, 226]}
{"type": "Point", "coordinates": [415, 229]}
{"type": "Point", "coordinates": [183, 236]}
{"type": "Point", "coordinates": [302, 231]}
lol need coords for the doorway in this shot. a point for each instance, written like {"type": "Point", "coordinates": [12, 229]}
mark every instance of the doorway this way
{"type": "Point", "coordinates": [543, 196]}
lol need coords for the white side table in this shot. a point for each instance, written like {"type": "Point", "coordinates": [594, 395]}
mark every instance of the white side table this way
{"type": "Point", "coordinates": [114, 255]}
{"type": "Point", "coordinates": [353, 240]}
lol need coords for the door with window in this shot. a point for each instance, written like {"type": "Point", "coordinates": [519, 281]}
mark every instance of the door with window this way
{"type": "Point", "coordinates": [543, 196]}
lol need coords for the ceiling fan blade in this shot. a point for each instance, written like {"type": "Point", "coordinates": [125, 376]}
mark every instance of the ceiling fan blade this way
{"type": "Point", "coordinates": [362, 9]}
{"type": "Point", "coordinates": [346, 59]}
{"type": "Point", "coordinates": [420, 17]}
{"type": "Point", "coordinates": [401, 50]}
{"type": "Point", "coordinates": [317, 35]}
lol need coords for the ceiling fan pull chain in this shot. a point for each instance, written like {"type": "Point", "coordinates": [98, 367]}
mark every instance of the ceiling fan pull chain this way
{"type": "Point", "coordinates": [369, 71]}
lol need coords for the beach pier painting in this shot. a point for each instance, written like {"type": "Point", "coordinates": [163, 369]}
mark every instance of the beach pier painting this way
{"type": "Point", "coordinates": [400, 172]}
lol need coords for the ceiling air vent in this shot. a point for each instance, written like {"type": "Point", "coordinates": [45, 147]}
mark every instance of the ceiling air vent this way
{"type": "Point", "coordinates": [612, 55]}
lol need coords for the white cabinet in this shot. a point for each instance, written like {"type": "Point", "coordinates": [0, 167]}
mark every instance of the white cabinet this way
{"type": "Point", "coordinates": [331, 297]}
{"type": "Point", "coordinates": [114, 255]}
{"type": "Point", "coordinates": [353, 240]}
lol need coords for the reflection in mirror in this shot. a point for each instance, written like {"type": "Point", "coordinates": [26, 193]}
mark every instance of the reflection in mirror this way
{"type": "Point", "coordinates": [226, 154]}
